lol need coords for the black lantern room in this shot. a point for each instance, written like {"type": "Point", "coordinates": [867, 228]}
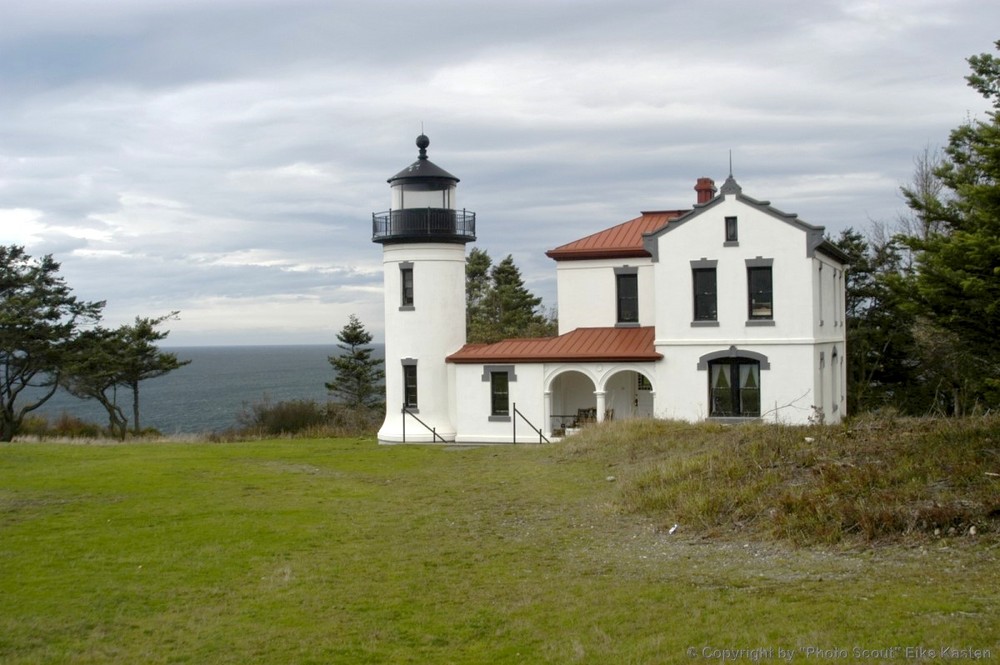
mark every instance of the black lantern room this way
{"type": "Point", "coordinates": [423, 206]}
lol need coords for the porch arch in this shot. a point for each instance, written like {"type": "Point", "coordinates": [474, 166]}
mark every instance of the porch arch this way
{"type": "Point", "coordinates": [629, 393]}
{"type": "Point", "coordinates": [619, 390]}
{"type": "Point", "coordinates": [572, 394]}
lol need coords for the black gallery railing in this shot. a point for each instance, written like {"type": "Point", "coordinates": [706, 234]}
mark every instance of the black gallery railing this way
{"type": "Point", "coordinates": [418, 223]}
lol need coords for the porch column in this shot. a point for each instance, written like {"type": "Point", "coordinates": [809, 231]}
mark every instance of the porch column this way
{"type": "Point", "coordinates": [547, 414]}
{"type": "Point", "coordinates": [601, 404]}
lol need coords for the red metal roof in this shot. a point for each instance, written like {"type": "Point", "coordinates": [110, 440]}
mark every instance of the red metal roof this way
{"type": "Point", "coordinates": [580, 345]}
{"type": "Point", "coordinates": [621, 241]}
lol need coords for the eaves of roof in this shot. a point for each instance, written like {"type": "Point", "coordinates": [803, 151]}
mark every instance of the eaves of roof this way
{"type": "Point", "coordinates": [834, 252]}
{"type": "Point", "coordinates": [422, 169]}
{"type": "Point", "coordinates": [580, 345]}
{"type": "Point", "coordinates": [621, 241]}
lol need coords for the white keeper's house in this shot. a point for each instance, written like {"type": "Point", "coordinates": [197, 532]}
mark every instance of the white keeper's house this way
{"type": "Point", "coordinates": [730, 310]}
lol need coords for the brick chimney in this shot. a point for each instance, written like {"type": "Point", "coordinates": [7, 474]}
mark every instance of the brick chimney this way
{"type": "Point", "coordinates": [706, 189]}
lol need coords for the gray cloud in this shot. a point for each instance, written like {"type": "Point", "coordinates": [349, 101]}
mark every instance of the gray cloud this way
{"type": "Point", "coordinates": [224, 158]}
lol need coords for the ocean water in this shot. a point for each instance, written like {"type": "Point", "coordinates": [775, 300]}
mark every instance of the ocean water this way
{"type": "Point", "coordinates": [209, 394]}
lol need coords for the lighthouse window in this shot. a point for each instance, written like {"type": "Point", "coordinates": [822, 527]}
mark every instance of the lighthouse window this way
{"type": "Point", "coordinates": [410, 386]}
{"type": "Point", "coordinates": [406, 285]}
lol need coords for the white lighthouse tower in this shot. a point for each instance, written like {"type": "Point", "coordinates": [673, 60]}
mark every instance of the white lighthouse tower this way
{"type": "Point", "coordinates": [423, 240]}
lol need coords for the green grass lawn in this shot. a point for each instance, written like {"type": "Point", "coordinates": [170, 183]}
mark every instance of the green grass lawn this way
{"type": "Point", "coordinates": [342, 551]}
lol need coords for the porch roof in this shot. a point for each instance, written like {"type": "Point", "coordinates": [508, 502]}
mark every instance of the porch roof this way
{"type": "Point", "coordinates": [580, 345]}
{"type": "Point", "coordinates": [621, 241]}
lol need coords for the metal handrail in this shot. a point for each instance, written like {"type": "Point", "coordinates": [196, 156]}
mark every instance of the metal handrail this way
{"type": "Point", "coordinates": [423, 222]}
{"type": "Point", "coordinates": [541, 437]}
{"type": "Point", "coordinates": [433, 430]}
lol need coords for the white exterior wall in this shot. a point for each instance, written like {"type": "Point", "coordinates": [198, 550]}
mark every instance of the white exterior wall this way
{"type": "Point", "coordinates": [544, 390]}
{"type": "Point", "coordinates": [473, 405]}
{"type": "Point", "coordinates": [433, 329]}
{"type": "Point", "coordinates": [586, 292]}
{"type": "Point", "coordinates": [786, 389]}
{"type": "Point", "coordinates": [830, 333]}
{"type": "Point", "coordinates": [830, 377]}
{"type": "Point", "coordinates": [760, 235]}
{"type": "Point", "coordinates": [828, 293]}
{"type": "Point", "coordinates": [793, 385]}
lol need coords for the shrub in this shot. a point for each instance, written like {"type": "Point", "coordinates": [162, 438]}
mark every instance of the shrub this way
{"type": "Point", "coordinates": [64, 426]}
{"type": "Point", "coordinates": [302, 418]}
{"type": "Point", "coordinates": [75, 428]}
{"type": "Point", "coordinates": [276, 419]}
{"type": "Point", "coordinates": [34, 426]}
{"type": "Point", "coordinates": [344, 421]}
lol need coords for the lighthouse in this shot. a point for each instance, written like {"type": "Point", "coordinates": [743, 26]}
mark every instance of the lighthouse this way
{"type": "Point", "coordinates": [423, 237]}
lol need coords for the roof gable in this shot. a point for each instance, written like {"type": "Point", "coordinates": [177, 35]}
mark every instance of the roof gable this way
{"type": "Point", "coordinates": [815, 240]}
{"type": "Point", "coordinates": [622, 241]}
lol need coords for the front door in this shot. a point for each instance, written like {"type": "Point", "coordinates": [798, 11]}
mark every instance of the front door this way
{"type": "Point", "coordinates": [644, 397]}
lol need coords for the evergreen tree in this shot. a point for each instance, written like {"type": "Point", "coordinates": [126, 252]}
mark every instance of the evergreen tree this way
{"type": "Point", "coordinates": [514, 307]}
{"type": "Point", "coordinates": [477, 291]}
{"type": "Point", "coordinates": [956, 279]}
{"type": "Point", "coordinates": [142, 359]}
{"type": "Point", "coordinates": [93, 371]}
{"type": "Point", "coordinates": [358, 376]}
{"type": "Point", "coordinates": [40, 321]}
{"type": "Point", "coordinates": [104, 360]}
{"type": "Point", "coordinates": [881, 358]}
{"type": "Point", "coordinates": [501, 307]}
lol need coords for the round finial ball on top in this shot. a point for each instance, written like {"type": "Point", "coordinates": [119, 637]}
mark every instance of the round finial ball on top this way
{"type": "Point", "coordinates": [422, 143]}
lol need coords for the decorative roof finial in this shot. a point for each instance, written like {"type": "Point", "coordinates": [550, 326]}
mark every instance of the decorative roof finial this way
{"type": "Point", "coordinates": [731, 186]}
{"type": "Point", "coordinates": [422, 143]}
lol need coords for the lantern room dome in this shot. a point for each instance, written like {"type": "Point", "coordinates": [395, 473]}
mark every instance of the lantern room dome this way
{"type": "Point", "coordinates": [423, 169]}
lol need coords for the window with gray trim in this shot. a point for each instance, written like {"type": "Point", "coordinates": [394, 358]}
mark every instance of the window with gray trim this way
{"type": "Point", "coordinates": [734, 377]}
{"type": "Point", "coordinates": [835, 380]}
{"type": "Point", "coordinates": [499, 394]}
{"type": "Point", "coordinates": [406, 285]}
{"type": "Point", "coordinates": [732, 230]}
{"type": "Point", "coordinates": [705, 291]}
{"type": "Point", "coordinates": [821, 293]}
{"type": "Point", "coordinates": [500, 378]}
{"type": "Point", "coordinates": [706, 295]}
{"type": "Point", "coordinates": [627, 295]}
{"type": "Point", "coordinates": [734, 388]}
{"type": "Point", "coordinates": [409, 383]}
{"type": "Point", "coordinates": [760, 290]}
{"type": "Point", "coordinates": [838, 276]}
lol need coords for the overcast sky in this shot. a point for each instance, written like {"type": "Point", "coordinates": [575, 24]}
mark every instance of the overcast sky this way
{"type": "Point", "coordinates": [223, 157]}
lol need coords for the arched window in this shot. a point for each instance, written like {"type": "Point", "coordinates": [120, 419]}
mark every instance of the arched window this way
{"type": "Point", "coordinates": [734, 388]}
{"type": "Point", "coordinates": [734, 382]}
